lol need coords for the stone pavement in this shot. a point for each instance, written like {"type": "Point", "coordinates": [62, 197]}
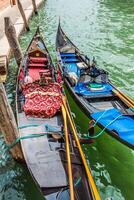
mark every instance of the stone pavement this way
{"type": "Point", "coordinates": [4, 4]}
{"type": "Point", "coordinates": [16, 19]}
{"type": "Point", "coordinates": [14, 14]}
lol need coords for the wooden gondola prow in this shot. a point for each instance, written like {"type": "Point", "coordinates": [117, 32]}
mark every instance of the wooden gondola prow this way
{"type": "Point", "coordinates": [87, 170]}
{"type": "Point", "coordinates": [68, 155]}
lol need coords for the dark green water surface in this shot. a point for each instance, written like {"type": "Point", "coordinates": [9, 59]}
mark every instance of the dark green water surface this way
{"type": "Point", "coordinates": [100, 28]}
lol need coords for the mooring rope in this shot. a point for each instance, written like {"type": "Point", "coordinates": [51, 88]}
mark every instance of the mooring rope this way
{"type": "Point", "coordinates": [102, 131]}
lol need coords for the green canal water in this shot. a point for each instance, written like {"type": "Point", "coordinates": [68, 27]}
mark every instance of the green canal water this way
{"type": "Point", "coordinates": [100, 28]}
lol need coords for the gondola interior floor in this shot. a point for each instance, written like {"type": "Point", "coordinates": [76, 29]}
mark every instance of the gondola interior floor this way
{"type": "Point", "coordinates": [42, 161]}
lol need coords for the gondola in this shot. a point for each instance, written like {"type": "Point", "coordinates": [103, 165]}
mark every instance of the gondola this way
{"type": "Point", "coordinates": [96, 96]}
{"type": "Point", "coordinates": [49, 141]}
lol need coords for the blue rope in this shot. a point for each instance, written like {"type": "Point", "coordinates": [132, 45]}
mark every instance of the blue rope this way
{"type": "Point", "coordinates": [102, 131]}
{"type": "Point", "coordinates": [24, 137]}
{"type": "Point", "coordinates": [47, 126]}
{"type": "Point", "coordinates": [29, 125]}
{"type": "Point", "coordinates": [99, 118]}
{"type": "Point", "coordinates": [49, 129]}
{"type": "Point", "coordinates": [103, 115]}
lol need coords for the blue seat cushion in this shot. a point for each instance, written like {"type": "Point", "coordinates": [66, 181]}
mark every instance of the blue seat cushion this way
{"type": "Point", "coordinates": [69, 60]}
{"type": "Point", "coordinates": [124, 125]}
{"type": "Point", "coordinates": [68, 54]}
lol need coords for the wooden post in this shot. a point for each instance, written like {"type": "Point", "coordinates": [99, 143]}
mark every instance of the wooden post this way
{"type": "Point", "coordinates": [12, 39]}
{"type": "Point", "coordinates": [8, 124]}
{"type": "Point", "coordinates": [23, 15]}
{"type": "Point", "coordinates": [3, 68]}
{"type": "Point", "coordinates": [34, 7]}
{"type": "Point", "coordinates": [13, 2]}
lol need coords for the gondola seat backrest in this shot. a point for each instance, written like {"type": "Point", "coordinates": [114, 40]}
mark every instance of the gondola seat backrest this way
{"type": "Point", "coordinates": [38, 62]}
{"type": "Point", "coordinates": [46, 72]}
{"type": "Point", "coordinates": [37, 58]}
{"type": "Point", "coordinates": [37, 53]}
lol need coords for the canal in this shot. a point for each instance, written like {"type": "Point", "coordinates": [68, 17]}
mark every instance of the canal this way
{"type": "Point", "coordinates": [100, 28]}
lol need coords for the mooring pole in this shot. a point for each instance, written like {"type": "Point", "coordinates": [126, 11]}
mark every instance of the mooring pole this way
{"type": "Point", "coordinates": [8, 125]}
{"type": "Point", "coordinates": [23, 15]}
{"type": "Point", "coordinates": [13, 2]}
{"type": "Point", "coordinates": [34, 7]}
{"type": "Point", "coordinates": [12, 39]}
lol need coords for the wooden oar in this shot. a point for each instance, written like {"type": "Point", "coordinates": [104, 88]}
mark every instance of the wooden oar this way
{"type": "Point", "coordinates": [88, 172]}
{"type": "Point", "coordinates": [124, 98]}
{"type": "Point", "coordinates": [68, 155]}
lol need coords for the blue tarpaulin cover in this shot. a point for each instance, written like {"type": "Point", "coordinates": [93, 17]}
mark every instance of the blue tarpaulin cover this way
{"type": "Point", "coordinates": [124, 125]}
{"type": "Point", "coordinates": [83, 89]}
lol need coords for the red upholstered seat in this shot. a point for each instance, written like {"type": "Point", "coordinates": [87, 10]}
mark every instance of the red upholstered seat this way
{"type": "Point", "coordinates": [45, 72]}
{"type": "Point", "coordinates": [37, 65]}
{"type": "Point", "coordinates": [38, 60]}
{"type": "Point", "coordinates": [48, 80]}
{"type": "Point", "coordinates": [34, 73]}
{"type": "Point", "coordinates": [42, 101]}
